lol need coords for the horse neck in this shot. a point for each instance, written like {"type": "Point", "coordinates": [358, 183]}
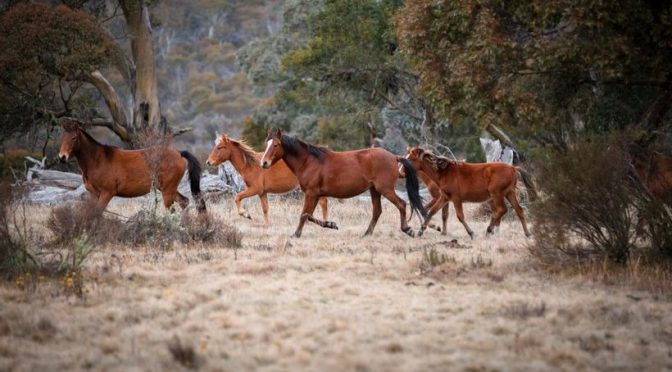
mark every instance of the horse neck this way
{"type": "Point", "coordinates": [239, 162]}
{"type": "Point", "coordinates": [88, 155]}
{"type": "Point", "coordinates": [430, 171]}
{"type": "Point", "coordinates": [296, 162]}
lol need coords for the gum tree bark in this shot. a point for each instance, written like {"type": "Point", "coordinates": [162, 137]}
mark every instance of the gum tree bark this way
{"type": "Point", "coordinates": [146, 110]}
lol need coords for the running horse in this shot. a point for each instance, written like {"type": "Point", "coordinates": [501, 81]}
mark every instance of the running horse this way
{"type": "Point", "coordinates": [322, 172]}
{"type": "Point", "coordinates": [654, 171]}
{"type": "Point", "coordinates": [109, 171]}
{"type": "Point", "coordinates": [278, 179]}
{"type": "Point", "coordinates": [465, 182]}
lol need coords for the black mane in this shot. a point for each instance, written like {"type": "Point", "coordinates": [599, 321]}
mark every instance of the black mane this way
{"type": "Point", "coordinates": [106, 148]}
{"type": "Point", "coordinates": [292, 146]}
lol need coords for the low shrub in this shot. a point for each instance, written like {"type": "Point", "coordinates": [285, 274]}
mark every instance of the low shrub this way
{"type": "Point", "coordinates": [593, 206]}
{"type": "Point", "coordinates": [71, 221]}
{"type": "Point", "coordinates": [588, 208]}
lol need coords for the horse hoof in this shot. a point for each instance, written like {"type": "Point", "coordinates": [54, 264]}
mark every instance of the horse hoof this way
{"type": "Point", "coordinates": [330, 225]}
{"type": "Point", "coordinates": [420, 232]}
{"type": "Point", "coordinates": [296, 235]}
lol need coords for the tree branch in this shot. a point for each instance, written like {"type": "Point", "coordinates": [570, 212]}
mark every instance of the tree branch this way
{"type": "Point", "coordinates": [119, 121]}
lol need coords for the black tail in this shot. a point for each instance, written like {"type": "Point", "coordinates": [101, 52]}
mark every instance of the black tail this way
{"type": "Point", "coordinates": [413, 187]}
{"type": "Point", "coordinates": [194, 179]}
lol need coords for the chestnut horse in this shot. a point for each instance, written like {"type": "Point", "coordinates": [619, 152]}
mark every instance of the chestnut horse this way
{"type": "Point", "coordinates": [435, 192]}
{"type": "Point", "coordinates": [277, 180]}
{"type": "Point", "coordinates": [654, 171]}
{"type": "Point", "coordinates": [322, 172]}
{"type": "Point", "coordinates": [464, 182]}
{"type": "Point", "coordinates": [108, 171]}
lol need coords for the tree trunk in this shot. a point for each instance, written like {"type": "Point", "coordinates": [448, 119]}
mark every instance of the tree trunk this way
{"type": "Point", "coordinates": [119, 121]}
{"type": "Point", "coordinates": [146, 110]}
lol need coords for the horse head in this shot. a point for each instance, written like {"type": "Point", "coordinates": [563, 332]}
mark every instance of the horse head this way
{"type": "Point", "coordinates": [221, 152]}
{"type": "Point", "coordinates": [421, 158]}
{"type": "Point", "coordinates": [274, 149]}
{"type": "Point", "coordinates": [70, 141]}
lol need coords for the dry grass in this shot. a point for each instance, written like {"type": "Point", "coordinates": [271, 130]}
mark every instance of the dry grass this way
{"type": "Point", "coordinates": [331, 300]}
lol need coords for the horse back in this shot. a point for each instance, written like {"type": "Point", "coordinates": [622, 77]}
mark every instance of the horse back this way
{"type": "Point", "coordinates": [477, 181]}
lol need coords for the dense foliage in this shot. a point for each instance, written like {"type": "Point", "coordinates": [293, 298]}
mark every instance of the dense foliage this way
{"type": "Point", "coordinates": [551, 70]}
{"type": "Point", "coordinates": [333, 68]}
{"type": "Point", "coordinates": [45, 48]}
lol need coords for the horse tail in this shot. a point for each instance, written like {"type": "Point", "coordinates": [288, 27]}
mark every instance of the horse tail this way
{"type": "Point", "coordinates": [413, 187]}
{"type": "Point", "coordinates": [194, 179]}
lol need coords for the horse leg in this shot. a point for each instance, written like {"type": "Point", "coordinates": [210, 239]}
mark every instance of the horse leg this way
{"type": "Point", "coordinates": [309, 204]}
{"type": "Point", "coordinates": [324, 207]}
{"type": "Point", "coordinates": [264, 207]}
{"type": "Point", "coordinates": [392, 196]}
{"type": "Point", "coordinates": [519, 211]}
{"type": "Point", "coordinates": [244, 195]}
{"type": "Point", "coordinates": [324, 223]}
{"type": "Point", "coordinates": [182, 200]}
{"type": "Point", "coordinates": [460, 216]}
{"type": "Point", "coordinates": [169, 198]}
{"type": "Point", "coordinates": [440, 202]}
{"type": "Point", "coordinates": [428, 207]}
{"type": "Point", "coordinates": [444, 218]}
{"type": "Point", "coordinates": [377, 210]}
{"type": "Point", "coordinates": [103, 200]}
{"type": "Point", "coordinates": [498, 211]}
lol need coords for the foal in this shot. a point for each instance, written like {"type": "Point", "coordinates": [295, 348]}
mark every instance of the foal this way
{"type": "Point", "coordinates": [276, 180]}
{"type": "Point", "coordinates": [322, 172]}
{"type": "Point", "coordinates": [109, 171]}
{"type": "Point", "coordinates": [464, 182]}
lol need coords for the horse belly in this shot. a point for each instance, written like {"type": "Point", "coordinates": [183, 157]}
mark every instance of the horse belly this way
{"type": "Point", "coordinates": [344, 186]}
{"type": "Point", "coordinates": [133, 188]}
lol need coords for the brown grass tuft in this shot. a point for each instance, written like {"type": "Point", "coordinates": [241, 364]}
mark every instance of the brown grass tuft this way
{"type": "Point", "coordinates": [183, 354]}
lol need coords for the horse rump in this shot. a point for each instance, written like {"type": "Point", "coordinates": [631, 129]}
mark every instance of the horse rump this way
{"type": "Point", "coordinates": [194, 169]}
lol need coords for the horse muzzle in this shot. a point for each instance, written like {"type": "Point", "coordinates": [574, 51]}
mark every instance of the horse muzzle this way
{"type": "Point", "coordinates": [62, 158]}
{"type": "Point", "coordinates": [265, 164]}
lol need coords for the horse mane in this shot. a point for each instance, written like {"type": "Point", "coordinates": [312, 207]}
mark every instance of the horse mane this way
{"type": "Point", "coordinates": [292, 145]}
{"type": "Point", "coordinates": [107, 149]}
{"type": "Point", "coordinates": [440, 162]}
{"type": "Point", "coordinates": [251, 156]}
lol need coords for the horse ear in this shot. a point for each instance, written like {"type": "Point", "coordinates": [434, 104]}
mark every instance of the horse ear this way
{"type": "Point", "coordinates": [279, 133]}
{"type": "Point", "coordinates": [70, 126]}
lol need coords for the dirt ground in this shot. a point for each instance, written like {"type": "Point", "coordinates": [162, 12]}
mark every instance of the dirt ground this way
{"type": "Point", "coordinates": [331, 300]}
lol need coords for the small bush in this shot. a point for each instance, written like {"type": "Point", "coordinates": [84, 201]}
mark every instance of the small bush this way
{"type": "Point", "coordinates": [183, 354]}
{"type": "Point", "coordinates": [523, 310]}
{"type": "Point", "coordinates": [204, 228]}
{"type": "Point", "coordinates": [431, 258]}
{"type": "Point", "coordinates": [70, 222]}
{"type": "Point", "coordinates": [16, 254]}
{"type": "Point", "coordinates": [589, 206]}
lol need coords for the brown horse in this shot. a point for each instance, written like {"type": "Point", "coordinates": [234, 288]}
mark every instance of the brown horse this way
{"type": "Point", "coordinates": [322, 172]}
{"type": "Point", "coordinates": [464, 182]}
{"type": "Point", "coordinates": [277, 180]}
{"type": "Point", "coordinates": [654, 171]}
{"type": "Point", "coordinates": [109, 171]}
{"type": "Point", "coordinates": [435, 192]}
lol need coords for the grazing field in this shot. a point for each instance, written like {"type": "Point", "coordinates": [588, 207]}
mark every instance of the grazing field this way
{"type": "Point", "coordinates": [331, 301]}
